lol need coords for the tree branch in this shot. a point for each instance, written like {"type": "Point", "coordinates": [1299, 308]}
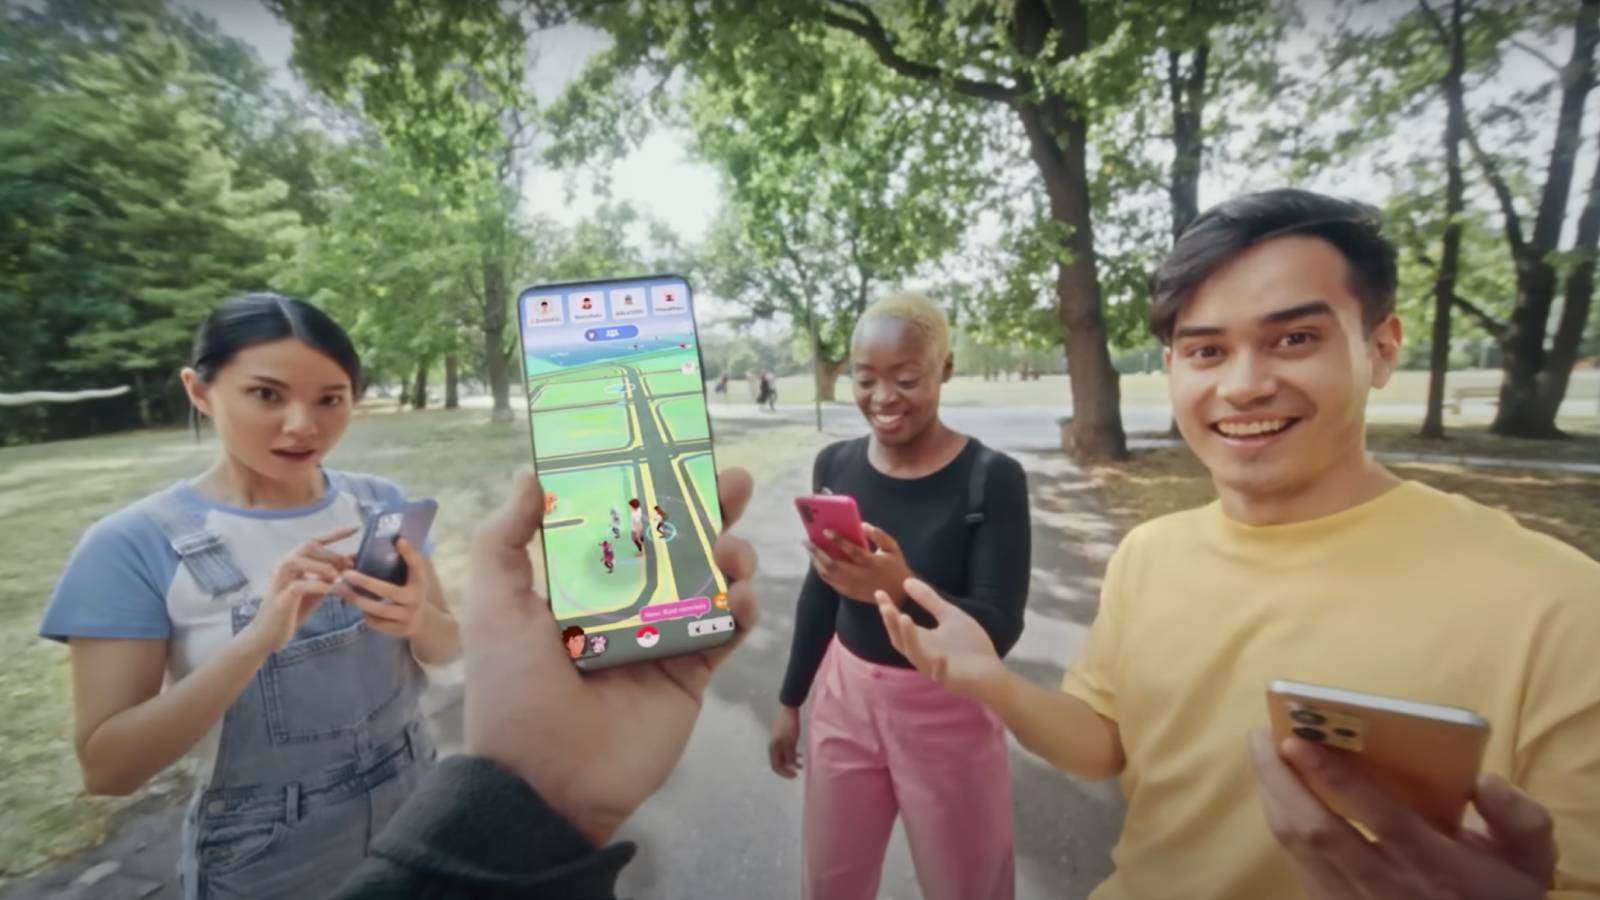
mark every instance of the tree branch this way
{"type": "Point", "coordinates": [1496, 328]}
{"type": "Point", "coordinates": [870, 29]}
{"type": "Point", "coordinates": [1502, 191]}
{"type": "Point", "coordinates": [1538, 54]}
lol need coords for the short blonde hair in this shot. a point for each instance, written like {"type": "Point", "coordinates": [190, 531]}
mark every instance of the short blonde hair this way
{"type": "Point", "coordinates": [917, 311]}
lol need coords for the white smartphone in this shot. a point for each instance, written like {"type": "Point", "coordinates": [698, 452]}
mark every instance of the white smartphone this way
{"type": "Point", "coordinates": [1426, 754]}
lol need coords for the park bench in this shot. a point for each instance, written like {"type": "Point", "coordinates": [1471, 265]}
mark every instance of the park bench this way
{"type": "Point", "coordinates": [1487, 392]}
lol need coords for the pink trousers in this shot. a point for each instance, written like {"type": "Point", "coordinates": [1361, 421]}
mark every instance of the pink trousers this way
{"type": "Point", "coordinates": [885, 741]}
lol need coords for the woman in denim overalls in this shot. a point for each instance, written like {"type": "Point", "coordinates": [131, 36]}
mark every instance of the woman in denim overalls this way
{"type": "Point", "coordinates": [296, 695]}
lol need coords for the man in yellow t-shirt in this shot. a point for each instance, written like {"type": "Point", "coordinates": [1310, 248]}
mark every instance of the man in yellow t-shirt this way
{"type": "Point", "coordinates": [1318, 565]}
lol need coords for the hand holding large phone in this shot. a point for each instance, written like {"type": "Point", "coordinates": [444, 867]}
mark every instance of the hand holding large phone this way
{"type": "Point", "coordinates": [1511, 854]}
{"type": "Point", "coordinates": [594, 745]}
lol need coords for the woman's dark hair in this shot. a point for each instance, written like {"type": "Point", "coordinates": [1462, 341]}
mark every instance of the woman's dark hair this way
{"type": "Point", "coordinates": [252, 319]}
{"type": "Point", "coordinates": [1228, 229]}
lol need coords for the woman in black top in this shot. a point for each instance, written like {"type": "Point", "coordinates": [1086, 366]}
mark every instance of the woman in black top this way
{"type": "Point", "coordinates": [882, 739]}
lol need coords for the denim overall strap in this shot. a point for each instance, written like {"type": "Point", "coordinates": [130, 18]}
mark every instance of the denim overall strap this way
{"type": "Point", "coordinates": [364, 488]}
{"type": "Point", "coordinates": [204, 554]}
{"type": "Point", "coordinates": [314, 756]}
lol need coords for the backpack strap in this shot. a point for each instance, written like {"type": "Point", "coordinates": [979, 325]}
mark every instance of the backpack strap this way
{"type": "Point", "coordinates": [978, 478]}
{"type": "Point", "coordinates": [204, 554]}
{"type": "Point", "coordinates": [827, 460]}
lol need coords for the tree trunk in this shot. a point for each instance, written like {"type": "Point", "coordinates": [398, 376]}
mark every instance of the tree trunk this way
{"type": "Point", "coordinates": [1532, 391]}
{"type": "Point", "coordinates": [452, 378]}
{"type": "Point", "coordinates": [1444, 285]}
{"type": "Point", "coordinates": [405, 392]}
{"type": "Point", "coordinates": [494, 349]}
{"type": "Point", "coordinates": [419, 391]}
{"type": "Point", "coordinates": [1096, 433]}
{"type": "Point", "coordinates": [826, 372]}
{"type": "Point", "coordinates": [1187, 92]}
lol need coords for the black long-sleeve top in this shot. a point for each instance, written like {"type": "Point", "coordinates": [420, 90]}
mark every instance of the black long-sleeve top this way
{"type": "Point", "coordinates": [982, 568]}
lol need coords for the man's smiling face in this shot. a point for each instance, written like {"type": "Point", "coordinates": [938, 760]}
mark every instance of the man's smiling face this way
{"type": "Point", "coordinates": [1270, 367]}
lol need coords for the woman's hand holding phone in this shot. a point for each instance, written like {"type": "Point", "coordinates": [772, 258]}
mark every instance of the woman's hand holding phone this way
{"type": "Point", "coordinates": [861, 574]}
{"type": "Point", "coordinates": [401, 610]}
{"type": "Point", "coordinates": [310, 572]}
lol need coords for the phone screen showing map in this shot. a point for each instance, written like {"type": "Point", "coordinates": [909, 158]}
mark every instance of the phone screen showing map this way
{"type": "Point", "coordinates": [622, 444]}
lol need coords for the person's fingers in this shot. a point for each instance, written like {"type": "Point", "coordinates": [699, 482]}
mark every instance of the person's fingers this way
{"type": "Point", "coordinates": [416, 563]}
{"type": "Point", "coordinates": [334, 536]}
{"type": "Point", "coordinates": [1395, 823]}
{"type": "Point", "coordinates": [390, 592]}
{"type": "Point", "coordinates": [385, 626]}
{"type": "Point", "coordinates": [1301, 823]}
{"type": "Point", "coordinates": [307, 567]}
{"type": "Point", "coordinates": [746, 612]}
{"type": "Point", "coordinates": [377, 609]}
{"type": "Point", "coordinates": [928, 599]}
{"type": "Point", "coordinates": [881, 539]}
{"type": "Point", "coordinates": [1521, 827]}
{"type": "Point", "coordinates": [735, 557]}
{"type": "Point", "coordinates": [851, 551]}
{"type": "Point", "coordinates": [501, 578]}
{"type": "Point", "coordinates": [821, 561]}
{"type": "Point", "coordinates": [891, 620]}
{"type": "Point", "coordinates": [734, 487]}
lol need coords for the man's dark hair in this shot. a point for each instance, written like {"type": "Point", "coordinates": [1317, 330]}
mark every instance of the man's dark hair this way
{"type": "Point", "coordinates": [1228, 229]}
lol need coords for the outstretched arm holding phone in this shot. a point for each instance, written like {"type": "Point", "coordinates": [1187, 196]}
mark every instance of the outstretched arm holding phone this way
{"type": "Point", "coordinates": [556, 760]}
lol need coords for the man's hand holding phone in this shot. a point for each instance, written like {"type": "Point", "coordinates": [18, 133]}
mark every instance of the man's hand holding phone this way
{"type": "Point", "coordinates": [593, 745]}
{"type": "Point", "coordinates": [1508, 853]}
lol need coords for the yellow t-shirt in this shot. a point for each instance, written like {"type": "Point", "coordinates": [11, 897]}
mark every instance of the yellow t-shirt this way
{"type": "Point", "coordinates": [1417, 594]}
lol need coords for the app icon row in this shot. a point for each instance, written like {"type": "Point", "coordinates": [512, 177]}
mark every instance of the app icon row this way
{"type": "Point", "coordinates": [544, 310]}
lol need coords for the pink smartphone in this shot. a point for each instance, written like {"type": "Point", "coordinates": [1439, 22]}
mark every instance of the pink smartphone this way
{"type": "Point", "coordinates": [832, 512]}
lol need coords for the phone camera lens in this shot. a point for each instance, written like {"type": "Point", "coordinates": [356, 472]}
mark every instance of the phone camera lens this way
{"type": "Point", "coordinates": [1307, 717]}
{"type": "Point", "coordinates": [1314, 735]}
{"type": "Point", "coordinates": [1345, 732]}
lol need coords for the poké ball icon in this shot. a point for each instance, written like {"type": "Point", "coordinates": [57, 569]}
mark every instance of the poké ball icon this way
{"type": "Point", "coordinates": [648, 636]}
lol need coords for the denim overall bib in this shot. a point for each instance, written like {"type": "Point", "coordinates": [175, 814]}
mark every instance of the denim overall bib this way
{"type": "Point", "coordinates": [318, 752]}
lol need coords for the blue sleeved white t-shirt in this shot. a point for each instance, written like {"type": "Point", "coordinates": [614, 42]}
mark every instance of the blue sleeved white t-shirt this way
{"type": "Point", "coordinates": [124, 580]}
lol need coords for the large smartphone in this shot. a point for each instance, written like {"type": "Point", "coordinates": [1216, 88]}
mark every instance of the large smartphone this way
{"type": "Point", "coordinates": [622, 444]}
{"type": "Point", "coordinates": [1422, 753]}
{"type": "Point", "coordinates": [378, 555]}
{"type": "Point", "coordinates": [831, 512]}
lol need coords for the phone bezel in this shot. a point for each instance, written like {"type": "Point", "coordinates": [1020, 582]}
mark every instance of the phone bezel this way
{"type": "Point", "coordinates": [711, 435]}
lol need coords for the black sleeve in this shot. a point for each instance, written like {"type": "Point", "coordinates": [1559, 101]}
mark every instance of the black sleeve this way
{"type": "Point", "coordinates": [815, 618]}
{"type": "Point", "coordinates": [472, 829]}
{"type": "Point", "coordinates": [1001, 561]}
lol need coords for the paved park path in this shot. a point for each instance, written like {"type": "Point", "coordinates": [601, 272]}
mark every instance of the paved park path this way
{"type": "Point", "coordinates": [724, 826]}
